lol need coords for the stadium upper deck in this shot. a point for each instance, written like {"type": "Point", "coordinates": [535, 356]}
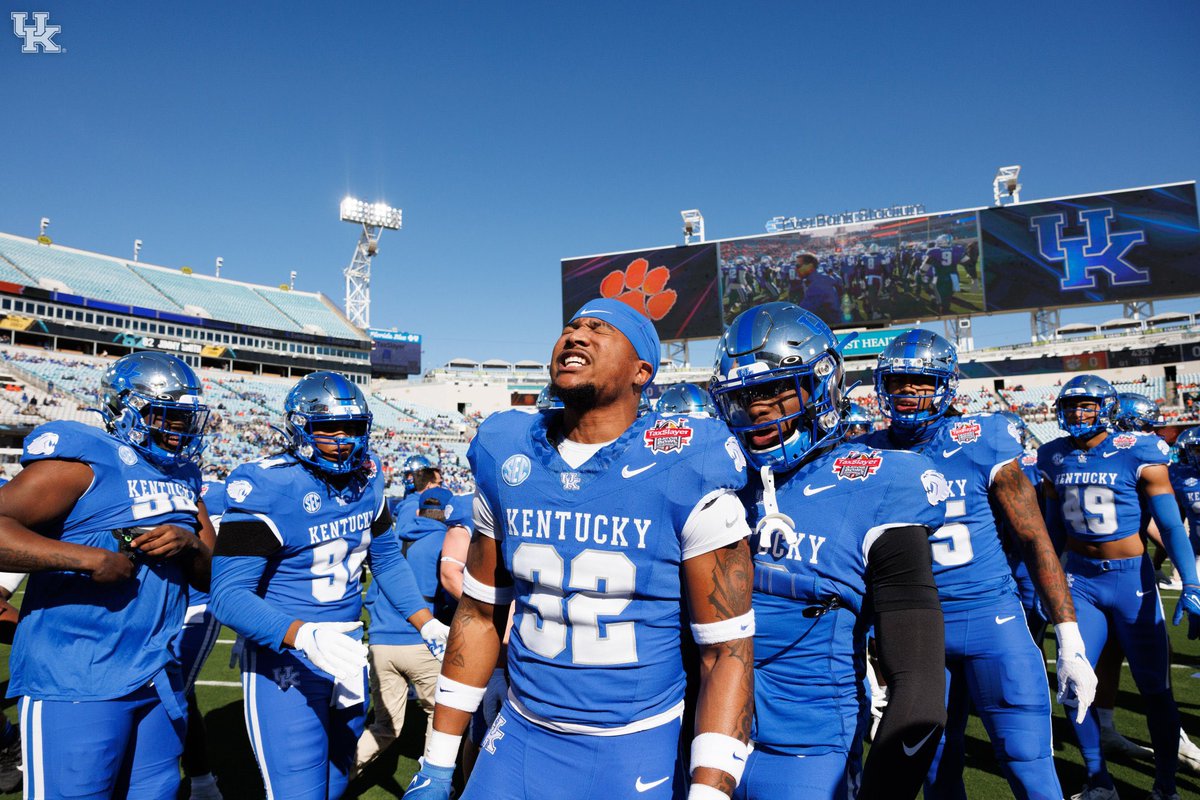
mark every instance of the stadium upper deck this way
{"type": "Point", "coordinates": [71, 299]}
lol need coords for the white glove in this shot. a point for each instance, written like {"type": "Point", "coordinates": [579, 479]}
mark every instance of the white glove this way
{"type": "Point", "coordinates": [1076, 678]}
{"type": "Point", "coordinates": [330, 649]}
{"type": "Point", "coordinates": [435, 632]}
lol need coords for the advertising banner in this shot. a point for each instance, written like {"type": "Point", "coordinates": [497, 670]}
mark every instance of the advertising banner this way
{"type": "Point", "coordinates": [869, 343]}
{"type": "Point", "coordinates": [1140, 244]}
{"type": "Point", "coordinates": [911, 269]}
{"type": "Point", "coordinates": [674, 286]}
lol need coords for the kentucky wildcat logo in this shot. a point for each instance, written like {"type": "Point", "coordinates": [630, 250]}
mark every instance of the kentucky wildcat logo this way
{"type": "Point", "coordinates": [669, 436]}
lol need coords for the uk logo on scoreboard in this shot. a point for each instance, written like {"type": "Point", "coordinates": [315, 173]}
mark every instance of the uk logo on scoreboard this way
{"type": "Point", "coordinates": [1101, 250]}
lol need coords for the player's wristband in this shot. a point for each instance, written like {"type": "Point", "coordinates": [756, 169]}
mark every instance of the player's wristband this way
{"type": "Point", "coordinates": [701, 791]}
{"type": "Point", "coordinates": [493, 595]}
{"type": "Point", "coordinates": [453, 694]}
{"type": "Point", "coordinates": [725, 630]}
{"type": "Point", "coordinates": [1069, 638]}
{"type": "Point", "coordinates": [718, 751]}
{"type": "Point", "coordinates": [441, 750]}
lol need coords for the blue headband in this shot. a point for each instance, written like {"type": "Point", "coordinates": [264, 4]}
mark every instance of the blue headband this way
{"type": "Point", "coordinates": [638, 328]}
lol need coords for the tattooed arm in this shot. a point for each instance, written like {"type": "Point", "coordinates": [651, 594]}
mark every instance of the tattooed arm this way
{"type": "Point", "coordinates": [1015, 496]}
{"type": "Point", "coordinates": [39, 499]}
{"type": "Point", "coordinates": [718, 586]}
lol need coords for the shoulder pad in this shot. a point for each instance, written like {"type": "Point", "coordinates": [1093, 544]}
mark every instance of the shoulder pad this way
{"type": "Point", "coordinates": [73, 441]}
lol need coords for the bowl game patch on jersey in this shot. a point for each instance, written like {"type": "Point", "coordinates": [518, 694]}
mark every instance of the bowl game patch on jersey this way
{"type": "Point", "coordinates": [966, 432]}
{"type": "Point", "coordinates": [668, 436]}
{"type": "Point", "coordinates": [857, 466]}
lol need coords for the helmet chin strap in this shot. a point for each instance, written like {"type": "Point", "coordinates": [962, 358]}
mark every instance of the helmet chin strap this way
{"type": "Point", "coordinates": [773, 521]}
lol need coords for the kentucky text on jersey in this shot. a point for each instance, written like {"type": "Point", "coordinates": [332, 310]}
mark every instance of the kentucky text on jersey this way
{"type": "Point", "coordinates": [537, 523]}
{"type": "Point", "coordinates": [796, 550]}
{"type": "Point", "coordinates": [148, 488]}
{"type": "Point", "coordinates": [1104, 478]}
{"type": "Point", "coordinates": [340, 527]}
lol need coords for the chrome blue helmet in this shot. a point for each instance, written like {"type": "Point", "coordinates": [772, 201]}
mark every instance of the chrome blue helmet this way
{"type": "Point", "coordinates": [917, 352]}
{"type": "Point", "coordinates": [547, 399]}
{"type": "Point", "coordinates": [1188, 447]}
{"type": "Point", "coordinates": [1087, 387]}
{"type": "Point", "coordinates": [1016, 423]}
{"type": "Point", "coordinates": [767, 351]}
{"type": "Point", "coordinates": [643, 404]}
{"type": "Point", "coordinates": [328, 397]}
{"type": "Point", "coordinates": [411, 466]}
{"type": "Point", "coordinates": [685, 398]}
{"type": "Point", "coordinates": [858, 421]}
{"type": "Point", "coordinates": [1136, 412]}
{"type": "Point", "coordinates": [152, 402]}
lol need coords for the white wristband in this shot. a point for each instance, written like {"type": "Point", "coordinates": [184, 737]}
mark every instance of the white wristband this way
{"type": "Point", "coordinates": [1069, 638]}
{"type": "Point", "coordinates": [441, 750]}
{"type": "Point", "coordinates": [700, 791]}
{"type": "Point", "coordinates": [493, 595]}
{"type": "Point", "coordinates": [725, 630]}
{"type": "Point", "coordinates": [718, 751]}
{"type": "Point", "coordinates": [453, 694]}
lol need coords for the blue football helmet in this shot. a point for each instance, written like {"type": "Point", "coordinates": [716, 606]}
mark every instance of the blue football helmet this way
{"type": "Point", "coordinates": [858, 421]}
{"type": "Point", "coordinates": [411, 466]}
{"type": "Point", "coordinates": [1136, 412]}
{"type": "Point", "coordinates": [643, 404]}
{"type": "Point", "coordinates": [1015, 419]}
{"type": "Point", "coordinates": [917, 352]}
{"type": "Point", "coordinates": [765, 352]}
{"type": "Point", "coordinates": [685, 398]}
{"type": "Point", "coordinates": [547, 399]}
{"type": "Point", "coordinates": [1087, 387]}
{"type": "Point", "coordinates": [328, 397]}
{"type": "Point", "coordinates": [1188, 447]}
{"type": "Point", "coordinates": [152, 402]}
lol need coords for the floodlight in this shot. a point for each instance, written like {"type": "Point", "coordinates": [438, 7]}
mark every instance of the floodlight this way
{"type": "Point", "coordinates": [693, 225]}
{"type": "Point", "coordinates": [220, 263]}
{"type": "Point", "coordinates": [137, 248]}
{"type": "Point", "coordinates": [379, 215]}
{"type": "Point", "coordinates": [292, 284]}
{"type": "Point", "coordinates": [45, 224]}
{"type": "Point", "coordinates": [1005, 184]}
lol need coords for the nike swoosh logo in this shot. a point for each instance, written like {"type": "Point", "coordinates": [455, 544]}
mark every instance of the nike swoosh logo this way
{"type": "Point", "coordinates": [1140, 593]}
{"type": "Point", "coordinates": [910, 751]}
{"type": "Point", "coordinates": [809, 491]}
{"type": "Point", "coordinates": [1109, 455]}
{"type": "Point", "coordinates": [1001, 620]}
{"type": "Point", "coordinates": [645, 787]}
{"type": "Point", "coordinates": [422, 786]}
{"type": "Point", "coordinates": [948, 453]}
{"type": "Point", "coordinates": [626, 472]}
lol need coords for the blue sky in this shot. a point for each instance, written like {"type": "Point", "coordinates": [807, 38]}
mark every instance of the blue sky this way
{"type": "Point", "coordinates": [516, 134]}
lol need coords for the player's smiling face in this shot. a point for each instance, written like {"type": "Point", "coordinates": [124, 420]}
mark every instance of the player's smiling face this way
{"type": "Point", "coordinates": [915, 392]}
{"type": "Point", "coordinates": [768, 402]}
{"type": "Point", "coordinates": [592, 352]}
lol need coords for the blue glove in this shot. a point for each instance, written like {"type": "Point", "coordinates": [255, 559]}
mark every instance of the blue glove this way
{"type": "Point", "coordinates": [1189, 601]}
{"type": "Point", "coordinates": [430, 783]}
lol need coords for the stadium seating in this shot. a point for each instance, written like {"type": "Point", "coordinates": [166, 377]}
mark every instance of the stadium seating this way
{"type": "Point", "coordinates": [308, 309]}
{"type": "Point", "coordinates": [78, 273]}
{"type": "Point", "coordinates": [220, 299]}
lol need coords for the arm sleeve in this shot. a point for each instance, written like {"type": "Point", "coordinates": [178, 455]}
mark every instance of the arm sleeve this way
{"type": "Point", "coordinates": [1170, 526]}
{"type": "Point", "coordinates": [236, 603]}
{"type": "Point", "coordinates": [718, 519]}
{"type": "Point", "coordinates": [910, 640]}
{"type": "Point", "coordinates": [394, 576]}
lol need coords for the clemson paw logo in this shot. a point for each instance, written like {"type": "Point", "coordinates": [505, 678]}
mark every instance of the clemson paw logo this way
{"type": "Point", "coordinates": [641, 288]}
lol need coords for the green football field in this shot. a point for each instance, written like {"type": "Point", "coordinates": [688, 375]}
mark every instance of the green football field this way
{"type": "Point", "coordinates": [220, 696]}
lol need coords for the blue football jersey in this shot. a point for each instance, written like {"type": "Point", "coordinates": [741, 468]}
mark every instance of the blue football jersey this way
{"type": "Point", "coordinates": [1185, 480]}
{"type": "Point", "coordinates": [595, 555]}
{"type": "Point", "coordinates": [968, 558]}
{"type": "Point", "coordinates": [212, 493]}
{"type": "Point", "coordinates": [81, 640]}
{"type": "Point", "coordinates": [1097, 488]}
{"type": "Point", "coordinates": [809, 587]}
{"type": "Point", "coordinates": [324, 533]}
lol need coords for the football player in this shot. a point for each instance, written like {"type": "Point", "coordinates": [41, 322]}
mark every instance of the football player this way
{"type": "Point", "coordinates": [1185, 480]}
{"type": "Point", "coordinates": [1012, 544]}
{"type": "Point", "coordinates": [685, 398]}
{"type": "Point", "coordinates": [600, 523]}
{"type": "Point", "coordinates": [1096, 485]}
{"type": "Point", "coordinates": [991, 661]}
{"type": "Point", "coordinates": [840, 542]}
{"type": "Point", "coordinates": [296, 531]}
{"type": "Point", "coordinates": [110, 525]}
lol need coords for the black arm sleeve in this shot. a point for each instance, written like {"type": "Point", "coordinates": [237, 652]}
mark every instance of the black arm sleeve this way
{"type": "Point", "coordinates": [383, 522]}
{"type": "Point", "coordinates": [246, 538]}
{"type": "Point", "coordinates": [910, 639]}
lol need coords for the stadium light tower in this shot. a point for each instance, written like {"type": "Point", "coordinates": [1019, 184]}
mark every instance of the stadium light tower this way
{"type": "Point", "coordinates": [137, 249]}
{"type": "Point", "coordinates": [1005, 185]}
{"type": "Point", "coordinates": [693, 225]}
{"type": "Point", "coordinates": [373, 217]}
{"type": "Point", "coordinates": [220, 263]}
